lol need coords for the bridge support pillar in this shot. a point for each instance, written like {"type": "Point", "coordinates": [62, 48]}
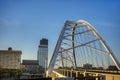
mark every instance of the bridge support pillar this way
{"type": "Point", "coordinates": [97, 77]}
{"type": "Point", "coordinates": [70, 73]}
{"type": "Point", "coordinates": [67, 73]}
{"type": "Point", "coordinates": [86, 75]}
{"type": "Point", "coordinates": [64, 72]}
{"type": "Point", "coordinates": [76, 75]}
{"type": "Point", "coordinates": [100, 77]}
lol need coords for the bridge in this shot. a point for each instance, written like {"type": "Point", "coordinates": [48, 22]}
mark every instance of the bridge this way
{"type": "Point", "coordinates": [82, 54]}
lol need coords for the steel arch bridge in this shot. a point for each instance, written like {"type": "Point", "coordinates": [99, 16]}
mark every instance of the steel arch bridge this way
{"type": "Point", "coordinates": [79, 45]}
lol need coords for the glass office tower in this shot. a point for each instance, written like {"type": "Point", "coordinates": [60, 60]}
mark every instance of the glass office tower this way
{"type": "Point", "coordinates": [43, 54]}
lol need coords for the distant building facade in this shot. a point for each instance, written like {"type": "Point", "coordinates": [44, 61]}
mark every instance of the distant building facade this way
{"type": "Point", "coordinates": [42, 54]}
{"type": "Point", "coordinates": [111, 67]}
{"type": "Point", "coordinates": [10, 59]}
{"type": "Point", "coordinates": [30, 66]}
{"type": "Point", "coordinates": [87, 66]}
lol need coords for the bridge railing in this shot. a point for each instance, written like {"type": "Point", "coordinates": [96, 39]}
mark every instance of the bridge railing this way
{"type": "Point", "coordinates": [82, 71]}
{"type": "Point", "coordinates": [90, 74]}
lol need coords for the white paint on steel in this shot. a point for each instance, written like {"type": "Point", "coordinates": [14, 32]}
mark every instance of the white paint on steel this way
{"type": "Point", "coordinates": [90, 27]}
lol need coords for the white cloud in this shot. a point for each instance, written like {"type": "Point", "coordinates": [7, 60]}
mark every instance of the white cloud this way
{"type": "Point", "coordinates": [105, 24]}
{"type": "Point", "coordinates": [8, 22]}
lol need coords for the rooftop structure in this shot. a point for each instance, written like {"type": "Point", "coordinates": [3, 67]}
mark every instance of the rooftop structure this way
{"type": "Point", "coordinates": [30, 62]}
{"type": "Point", "coordinates": [30, 66]}
{"type": "Point", "coordinates": [10, 59]}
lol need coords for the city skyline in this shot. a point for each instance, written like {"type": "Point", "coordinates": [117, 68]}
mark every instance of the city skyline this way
{"type": "Point", "coordinates": [24, 23]}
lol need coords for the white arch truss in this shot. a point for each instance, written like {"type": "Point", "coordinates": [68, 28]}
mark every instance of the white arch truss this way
{"type": "Point", "coordinates": [73, 26]}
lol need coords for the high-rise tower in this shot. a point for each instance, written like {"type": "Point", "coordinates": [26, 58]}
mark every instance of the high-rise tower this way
{"type": "Point", "coordinates": [42, 56]}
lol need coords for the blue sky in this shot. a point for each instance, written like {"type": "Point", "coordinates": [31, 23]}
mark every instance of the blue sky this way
{"type": "Point", "coordinates": [24, 22]}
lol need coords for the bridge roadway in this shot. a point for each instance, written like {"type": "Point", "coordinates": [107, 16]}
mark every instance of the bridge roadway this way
{"type": "Point", "coordinates": [83, 74]}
